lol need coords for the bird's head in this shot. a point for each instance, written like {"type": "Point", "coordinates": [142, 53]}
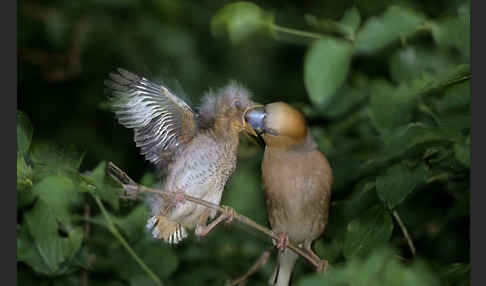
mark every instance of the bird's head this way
{"type": "Point", "coordinates": [227, 107]}
{"type": "Point", "coordinates": [278, 123]}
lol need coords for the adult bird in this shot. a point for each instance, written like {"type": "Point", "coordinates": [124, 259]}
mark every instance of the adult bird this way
{"type": "Point", "coordinates": [297, 181]}
{"type": "Point", "coordinates": [195, 152]}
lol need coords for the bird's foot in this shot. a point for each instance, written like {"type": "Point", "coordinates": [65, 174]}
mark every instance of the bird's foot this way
{"type": "Point", "coordinates": [178, 197]}
{"type": "Point", "coordinates": [322, 265]}
{"type": "Point", "coordinates": [131, 191]}
{"type": "Point", "coordinates": [228, 213]}
{"type": "Point", "coordinates": [282, 241]}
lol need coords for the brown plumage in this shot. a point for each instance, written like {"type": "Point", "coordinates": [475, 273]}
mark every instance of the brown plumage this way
{"type": "Point", "coordinates": [297, 181]}
{"type": "Point", "coordinates": [195, 152]}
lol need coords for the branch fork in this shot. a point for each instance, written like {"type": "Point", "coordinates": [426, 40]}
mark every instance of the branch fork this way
{"type": "Point", "coordinates": [133, 189]}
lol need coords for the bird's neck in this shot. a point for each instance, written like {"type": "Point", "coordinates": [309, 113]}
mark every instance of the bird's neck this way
{"type": "Point", "coordinates": [306, 145]}
{"type": "Point", "coordinates": [223, 131]}
{"type": "Point", "coordinates": [226, 127]}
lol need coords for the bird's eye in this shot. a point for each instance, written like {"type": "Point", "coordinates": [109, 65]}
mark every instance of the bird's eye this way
{"type": "Point", "coordinates": [237, 104]}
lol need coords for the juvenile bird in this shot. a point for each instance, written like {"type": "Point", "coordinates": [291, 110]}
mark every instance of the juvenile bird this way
{"type": "Point", "coordinates": [297, 181]}
{"type": "Point", "coordinates": [196, 152]}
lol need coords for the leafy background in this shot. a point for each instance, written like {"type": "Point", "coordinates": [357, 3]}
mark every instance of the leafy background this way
{"type": "Point", "coordinates": [385, 86]}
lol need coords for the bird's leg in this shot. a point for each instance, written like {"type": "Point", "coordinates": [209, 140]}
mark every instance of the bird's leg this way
{"type": "Point", "coordinates": [201, 225]}
{"type": "Point", "coordinates": [321, 264]}
{"type": "Point", "coordinates": [228, 215]}
{"type": "Point", "coordinates": [282, 242]}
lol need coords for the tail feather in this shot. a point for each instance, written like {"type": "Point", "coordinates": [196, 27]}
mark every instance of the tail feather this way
{"type": "Point", "coordinates": [163, 228]}
{"type": "Point", "coordinates": [283, 270]}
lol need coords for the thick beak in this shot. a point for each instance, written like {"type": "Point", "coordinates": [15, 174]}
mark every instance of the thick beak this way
{"type": "Point", "coordinates": [255, 119]}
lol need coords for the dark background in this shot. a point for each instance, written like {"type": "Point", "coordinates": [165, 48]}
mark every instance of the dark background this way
{"type": "Point", "coordinates": [66, 49]}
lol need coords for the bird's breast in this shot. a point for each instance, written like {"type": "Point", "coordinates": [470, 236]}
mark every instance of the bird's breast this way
{"type": "Point", "coordinates": [201, 171]}
{"type": "Point", "coordinates": [297, 186]}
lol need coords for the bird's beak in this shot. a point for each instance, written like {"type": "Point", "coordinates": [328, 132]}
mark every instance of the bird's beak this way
{"type": "Point", "coordinates": [255, 120]}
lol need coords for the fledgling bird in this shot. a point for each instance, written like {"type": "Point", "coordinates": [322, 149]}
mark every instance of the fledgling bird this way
{"type": "Point", "coordinates": [296, 179]}
{"type": "Point", "coordinates": [196, 152]}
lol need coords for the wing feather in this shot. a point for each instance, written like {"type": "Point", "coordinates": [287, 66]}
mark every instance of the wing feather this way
{"type": "Point", "coordinates": [162, 123]}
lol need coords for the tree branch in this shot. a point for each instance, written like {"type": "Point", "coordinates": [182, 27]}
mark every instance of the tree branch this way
{"type": "Point", "coordinates": [133, 189]}
{"type": "Point", "coordinates": [405, 232]}
{"type": "Point", "coordinates": [257, 265]}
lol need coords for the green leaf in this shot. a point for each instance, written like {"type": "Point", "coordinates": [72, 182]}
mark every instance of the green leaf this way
{"type": "Point", "coordinates": [351, 19]}
{"type": "Point", "coordinates": [454, 32]}
{"type": "Point", "coordinates": [345, 27]}
{"type": "Point", "coordinates": [412, 136]}
{"type": "Point", "coordinates": [370, 230]}
{"type": "Point", "coordinates": [107, 192]}
{"type": "Point", "coordinates": [456, 97]}
{"type": "Point", "coordinates": [133, 224]}
{"type": "Point", "coordinates": [50, 159]}
{"type": "Point", "coordinates": [455, 125]}
{"type": "Point", "coordinates": [326, 68]}
{"type": "Point", "coordinates": [40, 245]}
{"type": "Point", "coordinates": [59, 193]}
{"type": "Point", "coordinates": [24, 174]}
{"type": "Point", "coordinates": [398, 182]}
{"type": "Point", "coordinates": [379, 268]}
{"type": "Point", "coordinates": [385, 96]}
{"type": "Point", "coordinates": [239, 20]}
{"type": "Point", "coordinates": [411, 62]}
{"type": "Point", "coordinates": [378, 32]}
{"type": "Point", "coordinates": [329, 250]}
{"type": "Point", "coordinates": [344, 101]}
{"type": "Point", "coordinates": [24, 133]}
{"type": "Point", "coordinates": [463, 154]}
{"type": "Point", "coordinates": [25, 198]}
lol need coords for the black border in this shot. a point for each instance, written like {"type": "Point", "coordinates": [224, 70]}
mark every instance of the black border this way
{"type": "Point", "coordinates": [9, 142]}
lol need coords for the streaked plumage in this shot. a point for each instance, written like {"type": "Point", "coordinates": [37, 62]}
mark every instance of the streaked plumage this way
{"type": "Point", "coordinates": [195, 151]}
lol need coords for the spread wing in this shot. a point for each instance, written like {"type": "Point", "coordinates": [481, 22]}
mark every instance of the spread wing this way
{"type": "Point", "coordinates": [163, 123]}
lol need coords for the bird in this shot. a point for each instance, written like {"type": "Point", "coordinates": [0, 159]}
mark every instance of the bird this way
{"type": "Point", "coordinates": [194, 151]}
{"type": "Point", "coordinates": [297, 181]}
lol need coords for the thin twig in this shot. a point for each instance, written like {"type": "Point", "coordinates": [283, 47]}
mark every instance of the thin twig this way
{"type": "Point", "coordinates": [405, 231]}
{"type": "Point", "coordinates": [295, 32]}
{"type": "Point", "coordinates": [133, 189]}
{"type": "Point", "coordinates": [87, 230]}
{"type": "Point", "coordinates": [257, 265]}
{"type": "Point", "coordinates": [116, 233]}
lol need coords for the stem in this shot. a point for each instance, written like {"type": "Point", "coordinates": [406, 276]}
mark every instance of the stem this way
{"type": "Point", "coordinates": [117, 235]}
{"type": "Point", "coordinates": [135, 188]}
{"type": "Point", "coordinates": [294, 32]}
{"type": "Point", "coordinates": [405, 232]}
{"type": "Point", "coordinates": [258, 264]}
{"type": "Point", "coordinates": [87, 230]}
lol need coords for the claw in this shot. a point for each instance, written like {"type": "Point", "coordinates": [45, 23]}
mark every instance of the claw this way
{"type": "Point", "coordinates": [229, 214]}
{"type": "Point", "coordinates": [322, 266]}
{"type": "Point", "coordinates": [282, 242]}
{"type": "Point", "coordinates": [131, 191]}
